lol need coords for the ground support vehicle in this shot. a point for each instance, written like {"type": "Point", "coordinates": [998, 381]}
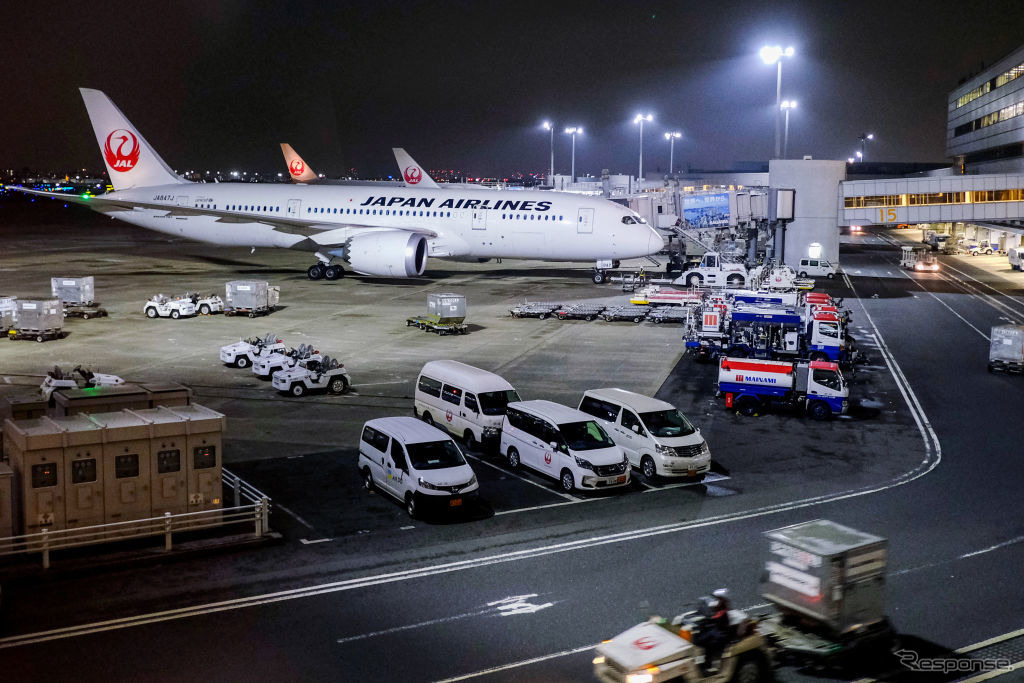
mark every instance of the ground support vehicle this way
{"type": "Point", "coordinates": [752, 386]}
{"type": "Point", "coordinates": [667, 296]}
{"type": "Point", "coordinates": [535, 309]}
{"type": "Point", "coordinates": [713, 271]}
{"type": "Point", "coordinates": [669, 314]}
{"type": "Point", "coordinates": [817, 267]}
{"type": "Point", "coordinates": [467, 401]}
{"type": "Point", "coordinates": [778, 278]}
{"type": "Point", "coordinates": [206, 305]}
{"type": "Point", "coordinates": [267, 364]}
{"type": "Point", "coordinates": [446, 314]}
{"type": "Point", "coordinates": [579, 311]}
{"type": "Point", "coordinates": [313, 374]}
{"type": "Point", "coordinates": [823, 583]}
{"type": "Point", "coordinates": [627, 312]}
{"type": "Point", "coordinates": [250, 297]}
{"type": "Point", "coordinates": [76, 379]}
{"type": "Point", "coordinates": [39, 320]}
{"type": "Point", "coordinates": [84, 311]}
{"type": "Point", "coordinates": [1013, 255]}
{"type": "Point", "coordinates": [918, 259]}
{"type": "Point", "coordinates": [161, 306]}
{"type": "Point", "coordinates": [244, 352]}
{"type": "Point", "coordinates": [1006, 349]}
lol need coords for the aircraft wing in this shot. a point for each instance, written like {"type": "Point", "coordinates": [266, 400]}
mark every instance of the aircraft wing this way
{"type": "Point", "coordinates": [318, 234]}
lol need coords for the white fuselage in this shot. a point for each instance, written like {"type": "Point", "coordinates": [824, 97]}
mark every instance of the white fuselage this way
{"type": "Point", "coordinates": [534, 224]}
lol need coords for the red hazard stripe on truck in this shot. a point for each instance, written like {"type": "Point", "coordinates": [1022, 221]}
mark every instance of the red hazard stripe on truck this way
{"type": "Point", "coordinates": [777, 368]}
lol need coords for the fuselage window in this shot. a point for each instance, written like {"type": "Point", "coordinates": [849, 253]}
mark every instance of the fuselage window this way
{"type": "Point", "coordinates": [449, 214]}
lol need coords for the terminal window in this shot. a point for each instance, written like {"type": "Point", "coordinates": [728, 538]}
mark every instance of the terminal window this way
{"type": "Point", "coordinates": [204, 457]}
{"type": "Point", "coordinates": [126, 466]}
{"type": "Point", "coordinates": [44, 475]}
{"type": "Point", "coordinates": [168, 461]}
{"type": "Point", "coordinates": [83, 471]}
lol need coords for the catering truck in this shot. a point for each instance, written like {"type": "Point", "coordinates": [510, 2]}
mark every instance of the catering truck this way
{"type": "Point", "coordinates": [752, 386]}
{"type": "Point", "coordinates": [823, 584]}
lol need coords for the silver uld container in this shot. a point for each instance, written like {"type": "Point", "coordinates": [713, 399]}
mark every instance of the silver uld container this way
{"type": "Point", "coordinates": [8, 312]}
{"type": "Point", "coordinates": [40, 315]}
{"type": "Point", "coordinates": [74, 290]}
{"type": "Point", "coordinates": [446, 308]}
{"type": "Point", "coordinates": [247, 294]}
{"type": "Point", "coordinates": [827, 571]}
{"type": "Point", "coordinates": [1007, 343]}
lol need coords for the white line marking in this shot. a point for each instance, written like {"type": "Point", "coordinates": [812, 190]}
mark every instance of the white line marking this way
{"type": "Point", "coordinates": [516, 665]}
{"type": "Point", "coordinates": [304, 541]}
{"type": "Point", "coordinates": [548, 505]}
{"type": "Point", "coordinates": [947, 306]}
{"type": "Point", "coordinates": [707, 480]}
{"type": "Point", "coordinates": [406, 528]}
{"type": "Point", "coordinates": [989, 549]}
{"type": "Point", "coordinates": [522, 478]}
{"type": "Point", "coordinates": [991, 641]}
{"type": "Point", "coordinates": [932, 458]}
{"type": "Point", "coordinates": [295, 516]}
{"type": "Point", "coordinates": [409, 627]}
{"type": "Point", "coordinates": [993, 674]}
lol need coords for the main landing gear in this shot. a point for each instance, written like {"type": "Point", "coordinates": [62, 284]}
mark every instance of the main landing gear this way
{"type": "Point", "coordinates": [325, 271]}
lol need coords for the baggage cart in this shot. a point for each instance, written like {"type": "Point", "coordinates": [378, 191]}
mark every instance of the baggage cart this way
{"type": "Point", "coordinates": [250, 297]}
{"type": "Point", "coordinates": [84, 311]}
{"type": "Point", "coordinates": [1006, 349]}
{"type": "Point", "coordinates": [445, 315]}
{"type": "Point", "coordinates": [74, 290]}
{"type": "Point", "coordinates": [534, 309]}
{"type": "Point", "coordinates": [40, 319]}
{"type": "Point", "coordinates": [669, 314]}
{"type": "Point", "coordinates": [579, 311]}
{"type": "Point", "coordinates": [627, 312]}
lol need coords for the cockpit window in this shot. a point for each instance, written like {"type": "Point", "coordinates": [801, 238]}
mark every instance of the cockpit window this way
{"type": "Point", "coordinates": [628, 220]}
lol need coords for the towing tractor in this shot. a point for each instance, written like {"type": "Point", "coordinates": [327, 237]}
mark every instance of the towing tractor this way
{"type": "Point", "coordinates": [713, 271]}
{"type": "Point", "coordinates": [206, 304]}
{"type": "Point", "coordinates": [162, 306]}
{"type": "Point", "coordinates": [76, 379]}
{"type": "Point", "coordinates": [753, 386]}
{"type": "Point", "coordinates": [266, 365]}
{"type": "Point", "coordinates": [244, 352]}
{"type": "Point", "coordinates": [823, 584]}
{"type": "Point", "coordinates": [313, 374]}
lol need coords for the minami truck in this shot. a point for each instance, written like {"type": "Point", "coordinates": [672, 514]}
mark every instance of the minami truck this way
{"type": "Point", "coordinates": [752, 386]}
{"type": "Point", "coordinates": [823, 584]}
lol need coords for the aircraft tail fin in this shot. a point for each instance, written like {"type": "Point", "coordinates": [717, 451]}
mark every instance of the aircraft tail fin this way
{"type": "Point", "coordinates": [412, 173]}
{"type": "Point", "coordinates": [130, 160]}
{"type": "Point", "coordinates": [297, 168]}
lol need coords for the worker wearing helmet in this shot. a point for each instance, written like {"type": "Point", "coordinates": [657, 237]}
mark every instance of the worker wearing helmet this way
{"type": "Point", "coordinates": [720, 631]}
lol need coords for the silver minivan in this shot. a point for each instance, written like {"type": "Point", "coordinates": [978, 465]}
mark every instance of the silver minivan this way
{"type": "Point", "coordinates": [415, 463]}
{"type": "Point", "coordinates": [654, 435]}
{"type": "Point", "coordinates": [564, 444]}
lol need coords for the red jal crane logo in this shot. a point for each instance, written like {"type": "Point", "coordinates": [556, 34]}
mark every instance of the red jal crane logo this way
{"type": "Point", "coordinates": [413, 175]}
{"type": "Point", "coordinates": [296, 167]}
{"type": "Point", "coordinates": [121, 150]}
{"type": "Point", "coordinates": [645, 643]}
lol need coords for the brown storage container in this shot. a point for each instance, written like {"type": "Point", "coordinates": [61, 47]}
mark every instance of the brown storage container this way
{"type": "Point", "coordinates": [204, 456]}
{"type": "Point", "coordinates": [6, 505]}
{"type": "Point", "coordinates": [169, 394]}
{"type": "Point", "coordinates": [127, 462]}
{"type": "Point", "coordinates": [82, 471]}
{"type": "Point", "coordinates": [99, 399]}
{"type": "Point", "coordinates": [167, 442]}
{"type": "Point", "coordinates": [35, 449]}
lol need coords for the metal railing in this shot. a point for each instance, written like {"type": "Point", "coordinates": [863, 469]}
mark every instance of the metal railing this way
{"type": "Point", "coordinates": [255, 512]}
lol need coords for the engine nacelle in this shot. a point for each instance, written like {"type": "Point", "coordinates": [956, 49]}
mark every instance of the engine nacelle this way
{"type": "Point", "coordinates": [388, 253]}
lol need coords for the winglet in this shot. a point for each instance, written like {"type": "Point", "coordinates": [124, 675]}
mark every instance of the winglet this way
{"type": "Point", "coordinates": [297, 168]}
{"type": "Point", "coordinates": [130, 160]}
{"type": "Point", "coordinates": [412, 173]}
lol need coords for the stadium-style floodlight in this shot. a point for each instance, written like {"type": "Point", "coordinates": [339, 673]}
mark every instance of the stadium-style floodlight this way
{"type": "Point", "coordinates": [547, 126]}
{"type": "Point", "coordinates": [574, 131]}
{"type": "Point", "coordinates": [773, 54]}
{"type": "Point", "coordinates": [864, 137]}
{"type": "Point", "coordinates": [671, 137]}
{"type": "Point", "coordinates": [640, 118]}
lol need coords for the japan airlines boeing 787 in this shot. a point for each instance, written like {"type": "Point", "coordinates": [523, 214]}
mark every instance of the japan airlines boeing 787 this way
{"type": "Point", "coordinates": [387, 231]}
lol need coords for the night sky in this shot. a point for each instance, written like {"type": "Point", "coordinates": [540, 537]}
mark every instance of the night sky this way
{"type": "Point", "coordinates": [465, 85]}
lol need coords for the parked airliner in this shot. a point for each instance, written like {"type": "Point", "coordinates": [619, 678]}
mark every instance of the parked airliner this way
{"type": "Point", "coordinates": [387, 231]}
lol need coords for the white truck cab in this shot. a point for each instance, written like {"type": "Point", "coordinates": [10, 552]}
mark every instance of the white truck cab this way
{"type": "Point", "coordinates": [466, 401]}
{"type": "Point", "coordinates": [714, 272]}
{"type": "Point", "coordinates": [244, 352]}
{"type": "Point", "coordinates": [562, 443]}
{"type": "Point", "coordinates": [653, 434]}
{"type": "Point", "coordinates": [415, 463]}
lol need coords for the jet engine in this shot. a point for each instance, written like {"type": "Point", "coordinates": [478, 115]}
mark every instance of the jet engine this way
{"type": "Point", "coordinates": [388, 253]}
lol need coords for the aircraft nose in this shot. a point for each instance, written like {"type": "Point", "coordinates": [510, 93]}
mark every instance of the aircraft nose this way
{"type": "Point", "coordinates": [655, 242]}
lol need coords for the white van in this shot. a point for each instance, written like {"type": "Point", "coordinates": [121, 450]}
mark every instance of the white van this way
{"type": "Point", "coordinates": [817, 267]}
{"type": "Point", "coordinates": [417, 464]}
{"type": "Point", "coordinates": [1014, 255]}
{"type": "Point", "coordinates": [564, 444]}
{"type": "Point", "coordinates": [467, 401]}
{"type": "Point", "coordinates": [654, 435]}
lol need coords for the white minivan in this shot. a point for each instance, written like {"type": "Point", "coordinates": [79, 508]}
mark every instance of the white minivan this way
{"type": "Point", "coordinates": [417, 464]}
{"type": "Point", "coordinates": [467, 401]}
{"type": "Point", "coordinates": [564, 444]}
{"type": "Point", "coordinates": [817, 267]}
{"type": "Point", "coordinates": [654, 435]}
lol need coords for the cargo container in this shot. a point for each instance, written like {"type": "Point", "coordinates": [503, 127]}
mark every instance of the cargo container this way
{"type": "Point", "coordinates": [251, 297]}
{"type": "Point", "coordinates": [40, 319]}
{"type": "Point", "coordinates": [74, 290]}
{"type": "Point", "coordinates": [1006, 348]}
{"type": "Point", "coordinates": [828, 572]}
